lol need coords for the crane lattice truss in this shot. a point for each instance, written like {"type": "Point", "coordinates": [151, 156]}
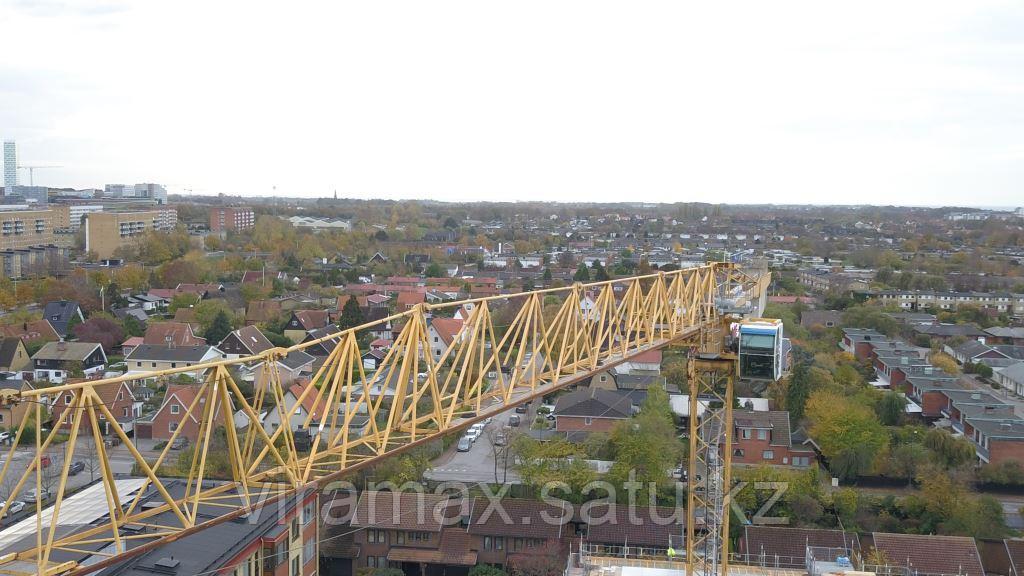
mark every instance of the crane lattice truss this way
{"type": "Point", "coordinates": [558, 337]}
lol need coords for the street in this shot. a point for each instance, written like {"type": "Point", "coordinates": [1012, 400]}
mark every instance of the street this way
{"type": "Point", "coordinates": [478, 464]}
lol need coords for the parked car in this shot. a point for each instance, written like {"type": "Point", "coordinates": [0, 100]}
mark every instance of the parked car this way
{"type": "Point", "coordinates": [76, 467]}
{"type": "Point", "coordinates": [522, 408]}
{"type": "Point", "coordinates": [500, 439]}
{"type": "Point", "coordinates": [464, 444]}
{"type": "Point", "coordinates": [180, 443]}
{"type": "Point", "coordinates": [31, 495]}
{"type": "Point", "coordinates": [473, 434]}
{"type": "Point", "coordinates": [514, 420]}
{"type": "Point", "coordinates": [16, 507]}
{"type": "Point", "coordinates": [5, 436]}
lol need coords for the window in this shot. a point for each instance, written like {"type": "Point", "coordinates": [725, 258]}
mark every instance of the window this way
{"type": "Point", "coordinates": [120, 395]}
{"type": "Point", "coordinates": [499, 543]}
{"type": "Point", "coordinates": [762, 434]}
{"type": "Point", "coordinates": [487, 542]}
{"type": "Point", "coordinates": [604, 377]}
{"type": "Point", "coordinates": [308, 512]}
{"type": "Point", "coordinates": [399, 537]}
{"type": "Point", "coordinates": [738, 452]}
{"type": "Point", "coordinates": [67, 399]}
{"type": "Point", "coordinates": [295, 528]}
{"type": "Point", "coordinates": [175, 409]}
{"type": "Point", "coordinates": [309, 550]}
{"type": "Point", "coordinates": [587, 421]}
{"type": "Point", "coordinates": [174, 364]}
{"type": "Point", "coordinates": [172, 426]}
{"type": "Point", "coordinates": [296, 566]}
{"type": "Point", "coordinates": [153, 364]}
{"type": "Point", "coordinates": [768, 455]}
{"type": "Point", "coordinates": [125, 412]}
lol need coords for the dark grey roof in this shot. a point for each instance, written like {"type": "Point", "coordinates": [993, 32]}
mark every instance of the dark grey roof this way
{"type": "Point", "coordinates": [66, 351]}
{"type": "Point", "coordinates": [168, 353]}
{"type": "Point", "coordinates": [594, 403]}
{"type": "Point", "coordinates": [59, 314]}
{"type": "Point", "coordinates": [204, 552]}
{"type": "Point", "coordinates": [296, 359]}
{"type": "Point", "coordinates": [775, 420]}
{"type": "Point", "coordinates": [8, 346]}
{"type": "Point", "coordinates": [944, 330]}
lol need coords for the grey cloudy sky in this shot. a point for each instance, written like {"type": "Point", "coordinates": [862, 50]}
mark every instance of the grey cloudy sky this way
{"type": "Point", "coordinates": [573, 100]}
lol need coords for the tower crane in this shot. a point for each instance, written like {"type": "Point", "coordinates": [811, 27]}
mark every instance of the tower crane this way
{"type": "Point", "coordinates": [32, 169]}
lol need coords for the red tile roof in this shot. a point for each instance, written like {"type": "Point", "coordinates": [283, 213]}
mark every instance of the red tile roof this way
{"type": "Point", "coordinates": [312, 319]}
{"type": "Point", "coordinates": [402, 510]}
{"type": "Point", "coordinates": [180, 334]}
{"type": "Point", "coordinates": [446, 328]}
{"type": "Point", "coordinates": [931, 554]}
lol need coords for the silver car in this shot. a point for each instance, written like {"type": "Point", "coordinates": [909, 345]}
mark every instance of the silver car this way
{"type": "Point", "coordinates": [464, 444]}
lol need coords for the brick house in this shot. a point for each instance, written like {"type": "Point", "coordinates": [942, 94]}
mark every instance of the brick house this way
{"type": "Point", "coordinates": [860, 341]}
{"type": "Point", "coordinates": [116, 396]}
{"type": "Point", "coordinates": [393, 536]}
{"type": "Point", "coordinates": [501, 543]}
{"type": "Point", "coordinates": [591, 410]}
{"type": "Point", "coordinates": [929, 392]}
{"type": "Point", "coordinates": [172, 413]}
{"type": "Point", "coordinates": [766, 438]}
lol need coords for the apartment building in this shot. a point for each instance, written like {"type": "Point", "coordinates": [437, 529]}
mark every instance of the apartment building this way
{"type": "Point", "coordinates": [223, 218]}
{"type": "Point", "coordinates": [105, 232]}
{"type": "Point", "coordinates": [927, 299]}
{"type": "Point", "coordinates": [21, 229]}
{"type": "Point", "coordinates": [69, 216]}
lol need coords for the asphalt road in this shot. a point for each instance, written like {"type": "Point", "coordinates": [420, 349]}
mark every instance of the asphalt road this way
{"type": "Point", "coordinates": [478, 464]}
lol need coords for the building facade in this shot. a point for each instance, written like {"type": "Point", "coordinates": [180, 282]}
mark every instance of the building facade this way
{"type": "Point", "coordinates": [10, 165]}
{"type": "Point", "coordinates": [223, 218]}
{"type": "Point", "coordinates": [21, 229]}
{"type": "Point", "coordinates": [105, 232]}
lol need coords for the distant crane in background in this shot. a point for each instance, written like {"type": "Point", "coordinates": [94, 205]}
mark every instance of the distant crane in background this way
{"type": "Point", "coordinates": [31, 172]}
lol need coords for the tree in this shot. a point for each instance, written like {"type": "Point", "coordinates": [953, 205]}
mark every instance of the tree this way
{"type": "Point", "coordinates": [945, 362]}
{"type": "Point", "coordinates": [890, 408]}
{"type": "Point", "coordinates": [351, 314]}
{"type": "Point", "coordinates": [949, 451]}
{"type": "Point", "coordinates": [218, 329]}
{"type": "Point", "coordinates": [132, 326]}
{"type": "Point", "coordinates": [848, 433]}
{"type": "Point", "coordinates": [646, 447]}
{"type": "Point", "coordinates": [486, 570]}
{"type": "Point", "coordinates": [450, 223]}
{"type": "Point", "coordinates": [102, 330]}
{"type": "Point", "coordinates": [798, 391]}
{"type": "Point", "coordinates": [547, 561]}
{"type": "Point", "coordinates": [582, 274]}
{"type": "Point", "coordinates": [435, 270]}
{"type": "Point", "coordinates": [547, 275]}
{"type": "Point", "coordinates": [600, 274]}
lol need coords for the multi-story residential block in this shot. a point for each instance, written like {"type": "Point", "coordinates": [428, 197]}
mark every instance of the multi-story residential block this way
{"type": "Point", "coordinates": [926, 299]}
{"type": "Point", "coordinates": [69, 216]}
{"type": "Point", "coordinates": [146, 190]}
{"type": "Point", "coordinates": [105, 232]}
{"type": "Point", "coordinates": [233, 218]}
{"type": "Point", "coordinates": [21, 229]}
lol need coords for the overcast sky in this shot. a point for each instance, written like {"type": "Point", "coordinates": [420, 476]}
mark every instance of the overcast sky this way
{"type": "Point", "coordinates": [663, 101]}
